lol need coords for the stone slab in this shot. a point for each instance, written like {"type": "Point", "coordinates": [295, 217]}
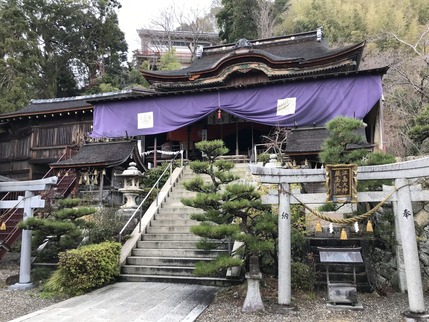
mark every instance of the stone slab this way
{"type": "Point", "coordinates": [126, 301]}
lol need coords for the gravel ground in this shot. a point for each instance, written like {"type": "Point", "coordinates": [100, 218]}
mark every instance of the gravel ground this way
{"type": "Point", "coordinates": [227, 307]}
{"type": "Point", "coordinates": [14, 304]}
{"type": "Point", "coordinates": [229, 301]}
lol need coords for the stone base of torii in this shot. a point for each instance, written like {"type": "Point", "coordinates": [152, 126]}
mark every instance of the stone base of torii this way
{"type": "Point", "coordinates": [402, 173]}
{"type": "Point", "coordinates": [29, 202]}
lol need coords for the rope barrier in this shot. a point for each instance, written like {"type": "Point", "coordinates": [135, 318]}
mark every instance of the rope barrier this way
{"type": "Point", "coordinates": [347, 220]}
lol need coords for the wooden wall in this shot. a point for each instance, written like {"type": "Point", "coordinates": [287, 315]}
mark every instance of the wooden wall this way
{"type": "Point", "coordinates": [26, 154]}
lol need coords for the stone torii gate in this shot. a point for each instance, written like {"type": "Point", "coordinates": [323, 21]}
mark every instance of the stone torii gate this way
{"type": "Point", "coordinates": [29, 202]}
{"type": "Point", "coordinates": [401, 172]}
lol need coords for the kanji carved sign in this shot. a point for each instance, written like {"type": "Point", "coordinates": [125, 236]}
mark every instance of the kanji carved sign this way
{"type": "Point", "coordinates": [341, 183]}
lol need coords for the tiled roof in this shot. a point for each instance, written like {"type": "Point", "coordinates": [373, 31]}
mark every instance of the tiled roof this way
{"type": "Point", "coordinates": [310, 140]}
{"type": "Point", "coordinates": [292, 51]}
{"type": "Point", "coordinates": [56, 105]}
{"type": "Point", "coordinates": [99, 154]}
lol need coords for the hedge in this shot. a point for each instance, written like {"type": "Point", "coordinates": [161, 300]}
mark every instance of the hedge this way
{"type": "Point", "coordinates": [83, 269]}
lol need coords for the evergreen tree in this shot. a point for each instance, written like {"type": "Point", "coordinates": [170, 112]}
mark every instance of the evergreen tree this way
{"type": "Point", "coordinates": [236, 20]}
{"type": "Point", "coordinates": [62, 230]}
{"type": "Point", "coordinates": [18, 55]}
{"type": "Point", "coordinates": [57, 48]}
{"type": "Point", "coordinates": [169, 61]}
{"type": "Point", "coordinates": [337, 148]}
{"type": "Point", "coordinates": [231, 211]}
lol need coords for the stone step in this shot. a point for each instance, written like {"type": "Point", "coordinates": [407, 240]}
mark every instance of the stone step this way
{"type": "Point", "coordinates": [162, 244]}
{"type": "Point", "coordinates": [168, 229]}
{"type": "Point", "coordinates": [173, 222]}
{"type": "Point", "coordinates": [175, 199]}
{"type": "Point", "coordinates": [176, 215]}
{"type": "Point", "coordinates": [157, 270]}
{"type": "Point", "coordinates": [209, 281]}
{"type": "Point", "coordinates": [175, 203]}
{"type": "Point", "coordinates": [170, 237]}
{"type": "Point", "coordinates": [182, 209]}
{"type": "Point", "coordinates": [166, 261]}
{"type": "Point", "coordinates": [180, 191]}
{"type": "Point", "coordinates": [175, 252]}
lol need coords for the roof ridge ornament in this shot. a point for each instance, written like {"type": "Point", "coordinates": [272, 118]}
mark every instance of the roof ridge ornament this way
{"type": "Point", "coordinates": [319, 33]}
{"type": "Point", "coordinates": [242, 43]}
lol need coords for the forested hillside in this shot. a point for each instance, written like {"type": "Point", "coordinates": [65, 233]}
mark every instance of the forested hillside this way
{"type": "Point", "coordinates": [397, 34]}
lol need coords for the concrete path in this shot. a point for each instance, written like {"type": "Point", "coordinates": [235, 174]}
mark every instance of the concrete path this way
{"type": "Point", "coordinates": [126, 301]}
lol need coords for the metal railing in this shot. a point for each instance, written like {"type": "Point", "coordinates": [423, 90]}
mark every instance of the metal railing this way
{"type": "Point", "coordinates": [155, 186]}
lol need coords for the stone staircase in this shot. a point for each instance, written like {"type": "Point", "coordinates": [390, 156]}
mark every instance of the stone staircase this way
{"type": "Point", "coordinates": [167, 250]}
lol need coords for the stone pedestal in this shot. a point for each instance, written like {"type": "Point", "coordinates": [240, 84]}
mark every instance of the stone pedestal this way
{"type": "Point", "coordinates": [253, 301]}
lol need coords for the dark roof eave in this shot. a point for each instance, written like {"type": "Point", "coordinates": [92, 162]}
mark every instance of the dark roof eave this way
{"type": "Point", "coordinates": [17, 114]}
{"type": "Point", "coordinates": [192, 87]}
{"type": "Point", "coordinates": [356, 49]}
{"type": "Point", "coordinates": [202, 88]}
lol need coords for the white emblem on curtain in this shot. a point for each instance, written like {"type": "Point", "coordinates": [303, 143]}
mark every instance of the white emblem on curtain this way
{"type": "Point", "coordinates": [286, 106]}
{"type": "Point", "coordinates": [145, 120]}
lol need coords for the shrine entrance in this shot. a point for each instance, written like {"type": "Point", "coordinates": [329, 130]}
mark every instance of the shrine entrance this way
{"type": "Point", "coordinates": [29, 201]}
{"type": "Point", "coordinates": [403, 174]}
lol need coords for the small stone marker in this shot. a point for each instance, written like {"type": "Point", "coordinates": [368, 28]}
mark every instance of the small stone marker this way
{"type": "Point", "coordinates": [253, 301]}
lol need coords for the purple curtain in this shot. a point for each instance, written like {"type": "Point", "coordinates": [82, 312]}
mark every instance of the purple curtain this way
{"type": "Point", "coordinates": [302, 103]}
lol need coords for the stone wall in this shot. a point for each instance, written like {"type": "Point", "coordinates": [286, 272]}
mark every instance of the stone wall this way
{"type": "Point", "coordinates": [383, 253]}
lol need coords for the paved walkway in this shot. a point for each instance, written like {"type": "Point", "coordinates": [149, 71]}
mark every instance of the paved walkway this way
{"type": "Point", "coordinates": [127, 301]}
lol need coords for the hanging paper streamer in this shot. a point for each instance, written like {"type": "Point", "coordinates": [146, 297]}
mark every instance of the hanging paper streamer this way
{"type": "Point", "coordinates": [356, 225]}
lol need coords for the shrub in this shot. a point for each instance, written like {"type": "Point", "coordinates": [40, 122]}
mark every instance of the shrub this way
{"type": "Point", "coordinates": [264, 158]}
{"type": "Point", "coordinates": [83, 269]}
{"type": "Point", "coordinates": [107, 224]}
{"type": "Point", "coordinates": [302, 277]}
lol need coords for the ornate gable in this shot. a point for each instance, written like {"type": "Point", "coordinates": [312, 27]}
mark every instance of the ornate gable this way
{"type": "Point", "coordinates": [257, 61]}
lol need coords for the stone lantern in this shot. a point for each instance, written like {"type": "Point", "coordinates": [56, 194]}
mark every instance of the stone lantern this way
{"type": "Point", "coordinates": [131, 188]}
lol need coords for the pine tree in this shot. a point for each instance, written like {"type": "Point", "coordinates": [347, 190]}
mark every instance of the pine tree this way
{"type": "Point", "coordinates": [63, 229]}
{"type": "Point", "coordinates": [231, 211]}
{"type": "Point", "coordinates": [342, 134]}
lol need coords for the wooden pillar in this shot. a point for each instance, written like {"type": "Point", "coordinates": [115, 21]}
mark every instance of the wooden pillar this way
{"type": "Point", "coordinates": [284, 246]}
{"type": "Point", "coordinates": [100, 196]}
{"type": "Point", "coordinates": [237, 150]}
{"type": "Point", "coordinates": [154, 152]}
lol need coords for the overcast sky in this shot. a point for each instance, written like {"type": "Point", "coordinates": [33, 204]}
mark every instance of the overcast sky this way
{"type": "Point", "coordinates": [136, 14]}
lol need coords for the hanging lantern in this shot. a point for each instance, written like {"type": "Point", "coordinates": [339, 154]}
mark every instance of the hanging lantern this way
{"type": "Point", "coordinates": [104, 172]}
{"type": "Point", "coordinates": [219, 114]}
{"type": "Point", "coordinates": [3, 226]}
{"type": "Point", "coordinates": [343, 235]}
{"type": "Point", "coordinates": [318, 227]}
{"type": "Point", "coordinates": [369, 227]}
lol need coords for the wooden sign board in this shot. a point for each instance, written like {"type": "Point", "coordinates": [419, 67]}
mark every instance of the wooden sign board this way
{"type": "Point", "coordinates": [341, 183]}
